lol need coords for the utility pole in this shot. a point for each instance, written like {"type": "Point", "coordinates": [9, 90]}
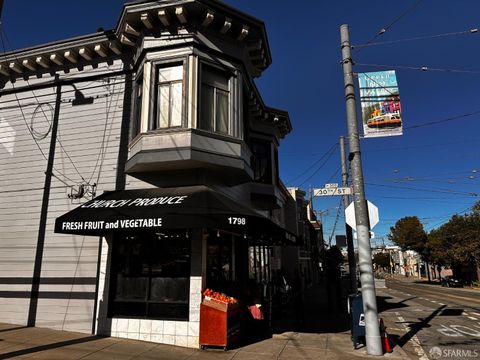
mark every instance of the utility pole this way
{"type": "Point", "coordinates": [348, 230]}
{"type": "Point", "coordinates": [372, 331]}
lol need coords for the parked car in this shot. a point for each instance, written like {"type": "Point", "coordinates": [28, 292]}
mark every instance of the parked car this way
{"type": "Point", "coordinates": [450, 281]}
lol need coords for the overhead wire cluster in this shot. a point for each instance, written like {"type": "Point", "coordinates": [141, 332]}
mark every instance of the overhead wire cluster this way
{"type": "Point", "coordinates": [469, 115]}
{"type": "Point", "coordinates": [316, 166]}
{"type": "Point", "coordinates": [82, 187]}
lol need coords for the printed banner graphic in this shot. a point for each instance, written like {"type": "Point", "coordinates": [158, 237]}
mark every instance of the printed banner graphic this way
{"type": "Point", "coordinates": [380, 99]}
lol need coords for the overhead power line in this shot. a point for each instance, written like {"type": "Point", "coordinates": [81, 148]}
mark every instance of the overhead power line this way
{"type": "Point", "coordinates": [320, 167]}
{"type": "Point", "coordinates": [335, 223]}
{"type": "Point", "coordinates": [386, 28]}
{"type": "Point", "coordinates": [101, 155]}
{"type": "Point", "coordinates": [420, 68]}
{"type": "Point", "coordinates": [314, 163]}
{"type": "Point", "coordinates": [425, 37]}
{"type": "Point", "coordinates": [448, 217]}
{"type": "Point", "coordinates": [443, 191]}
{"type": "Point", "coordinates": [376, 150]}
{"type": "Point", "coordinates": [452, 118]}
{"type": "Point", "coordinates": [408, 198]}
{"type": "Point", "coordinates": [330, 179]}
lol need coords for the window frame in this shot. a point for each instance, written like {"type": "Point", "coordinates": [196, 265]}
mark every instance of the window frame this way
{"type": "Point", "coordinates": [268, 177]}
{"type": "Point", "coordinates": [146, 304]}
{"type": "Point", "coordinates": [154, 113]}
{"type": "Point", "coordinates": [234, 126]}
{"type": "Point", "coordinates": [136, 124]}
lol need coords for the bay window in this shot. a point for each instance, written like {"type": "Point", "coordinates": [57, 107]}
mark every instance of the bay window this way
{"type": "Point", "coordinates": [137, 120]}
{"type": "Point", "coordinates": [215, 101]}
{"type": "Point", "coordinates": [169, 97]}
{"type": "Point", "coordinates": [261, 161]}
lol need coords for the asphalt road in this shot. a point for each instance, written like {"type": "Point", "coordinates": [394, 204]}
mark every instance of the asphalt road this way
{"type": "Point", "coordinates": [431, 322]}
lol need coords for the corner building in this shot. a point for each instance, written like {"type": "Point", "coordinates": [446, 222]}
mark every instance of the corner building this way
{"type": "Point", "coordinates": [138, 166]}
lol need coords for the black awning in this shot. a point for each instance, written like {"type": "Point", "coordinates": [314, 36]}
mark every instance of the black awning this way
{"type": "Point", "coordinates": [167, 208]}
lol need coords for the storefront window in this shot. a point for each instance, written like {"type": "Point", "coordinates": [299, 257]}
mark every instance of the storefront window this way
{"type": "Point", "coordinates": [151, 276]}
{"type": "Point", "coordinates": [220, 256]}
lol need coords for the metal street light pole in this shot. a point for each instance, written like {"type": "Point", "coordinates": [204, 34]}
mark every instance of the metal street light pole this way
{"type": "Point", "coordinates": [372, 331]}
{"type": "Point", "coordinates": [346, 201]}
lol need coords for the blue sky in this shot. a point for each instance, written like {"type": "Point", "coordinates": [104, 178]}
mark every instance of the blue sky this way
{"type": "Point", "coordinates": [430, 171]}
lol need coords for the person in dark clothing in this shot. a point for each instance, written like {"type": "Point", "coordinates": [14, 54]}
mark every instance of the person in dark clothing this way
{"type": "Point", "coordinates": [334, 259]}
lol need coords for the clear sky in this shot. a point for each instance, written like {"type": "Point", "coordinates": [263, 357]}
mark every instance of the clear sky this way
{"type": "Point", "coordinates": [432, 171]}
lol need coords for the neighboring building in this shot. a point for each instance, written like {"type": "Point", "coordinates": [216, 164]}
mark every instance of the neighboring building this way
{"type": "Point", "coordinates": [408, 263]}
{"type": "Point", "coordinates": [306, 258]}
{"type": "Point", "coordinates": [159, 122]}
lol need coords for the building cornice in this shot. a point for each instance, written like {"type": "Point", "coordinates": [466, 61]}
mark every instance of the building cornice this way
{"type": "Point", "coordinates": [139, 19]}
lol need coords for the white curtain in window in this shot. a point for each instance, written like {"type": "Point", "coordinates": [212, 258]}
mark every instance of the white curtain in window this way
{"type": "Point", "coordinates": [176, 104]}
{"type": "Point", "coordinates": [170, 96]}
{"type": "Point", "coordinates": [163, 105]}
{"type": "Point", "coordinates": [222, 112]}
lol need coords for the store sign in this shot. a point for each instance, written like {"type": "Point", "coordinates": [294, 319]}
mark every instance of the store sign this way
{"type": "Point", "coordinates": [164, 200]}
{"type": "Point", "coordinates": [169, 208]}
{"type": "Point", "coordinates": [112, 225]}
{"type": "Point", "coordinates": [380, 100]}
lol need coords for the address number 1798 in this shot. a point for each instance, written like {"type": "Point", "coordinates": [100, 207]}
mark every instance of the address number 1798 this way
{"type": "Point", "coordinates": [237, 221]}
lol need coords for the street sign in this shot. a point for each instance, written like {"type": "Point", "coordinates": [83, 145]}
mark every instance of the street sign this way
{"type": "Point", "coordinates": [372, 215]}
{"type": "Point", "coordinates": [332, 191]}
{"type": "Point", "coordinates": [330, 186]}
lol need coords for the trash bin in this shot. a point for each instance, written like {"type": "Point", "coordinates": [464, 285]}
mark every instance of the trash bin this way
{"type": "Point", "coordinates": [357, 319]}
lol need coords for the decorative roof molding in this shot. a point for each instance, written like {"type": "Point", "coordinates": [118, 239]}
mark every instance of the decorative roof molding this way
{"type": "Point", "coordinates": [137, 19]}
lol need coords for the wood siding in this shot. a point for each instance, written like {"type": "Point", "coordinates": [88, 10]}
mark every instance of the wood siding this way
{"type": "Point", "coordinates": [86, 152]}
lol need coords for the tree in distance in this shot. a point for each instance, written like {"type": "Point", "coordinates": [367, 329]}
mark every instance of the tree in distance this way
{"type": "Point", "coordinates": [457, 244]}
{"type": "Point", "coordinates": [408, 233]}
{"type": "Point", "coordinates": [382, 260]}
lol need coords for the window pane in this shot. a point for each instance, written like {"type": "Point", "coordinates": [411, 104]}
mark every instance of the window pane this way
{"type": "Point", "coordinates": [170, 269]}
{"type": "Point", "coordinates": [131, 269]}
{"type": "Point", "coordinates": [222, 112]}
{"type": "Point", "coordinates": [171, 73]}
{"type": "Point", "coordinates": [208, 106]}
{"type": "Point", "coordinates": [176, 104]}
{"type": "Point", "coordinates": [166, 289]}
{"type": "Point", "coordinates": [215, 102]}
{"type": "Point", "coordinates": [262, 166]}
{"type": "Point", "coordinates": [138, 108]}
{"type": "Point", "coordinates": [163, 105]}
{"type": "Point", "coordinates": [153, 265]}
{"type": "Point", "coordinates": [215, 78]}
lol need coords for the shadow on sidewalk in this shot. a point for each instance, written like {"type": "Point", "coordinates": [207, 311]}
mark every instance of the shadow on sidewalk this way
{"type": "Point", "coordinates": [323, 311]}
{"type": "Point", "coordinates": [48, 347]}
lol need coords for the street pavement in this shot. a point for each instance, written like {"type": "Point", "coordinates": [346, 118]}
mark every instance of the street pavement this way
{"type": "Point", "coordinates": [429, 321]}
{"type": "Point", "coordinates": [324, 334]}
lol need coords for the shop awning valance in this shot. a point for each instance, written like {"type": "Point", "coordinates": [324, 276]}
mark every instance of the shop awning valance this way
{"type": "Point", "coordinates": [164, 208]}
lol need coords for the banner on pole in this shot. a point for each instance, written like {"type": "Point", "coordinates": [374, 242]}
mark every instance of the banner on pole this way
{"type": "Point", "coordinates": [380, 100]}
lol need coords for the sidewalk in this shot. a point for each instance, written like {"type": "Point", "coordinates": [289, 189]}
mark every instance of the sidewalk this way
{"type": "Point", "coordinates": [324, 335]}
